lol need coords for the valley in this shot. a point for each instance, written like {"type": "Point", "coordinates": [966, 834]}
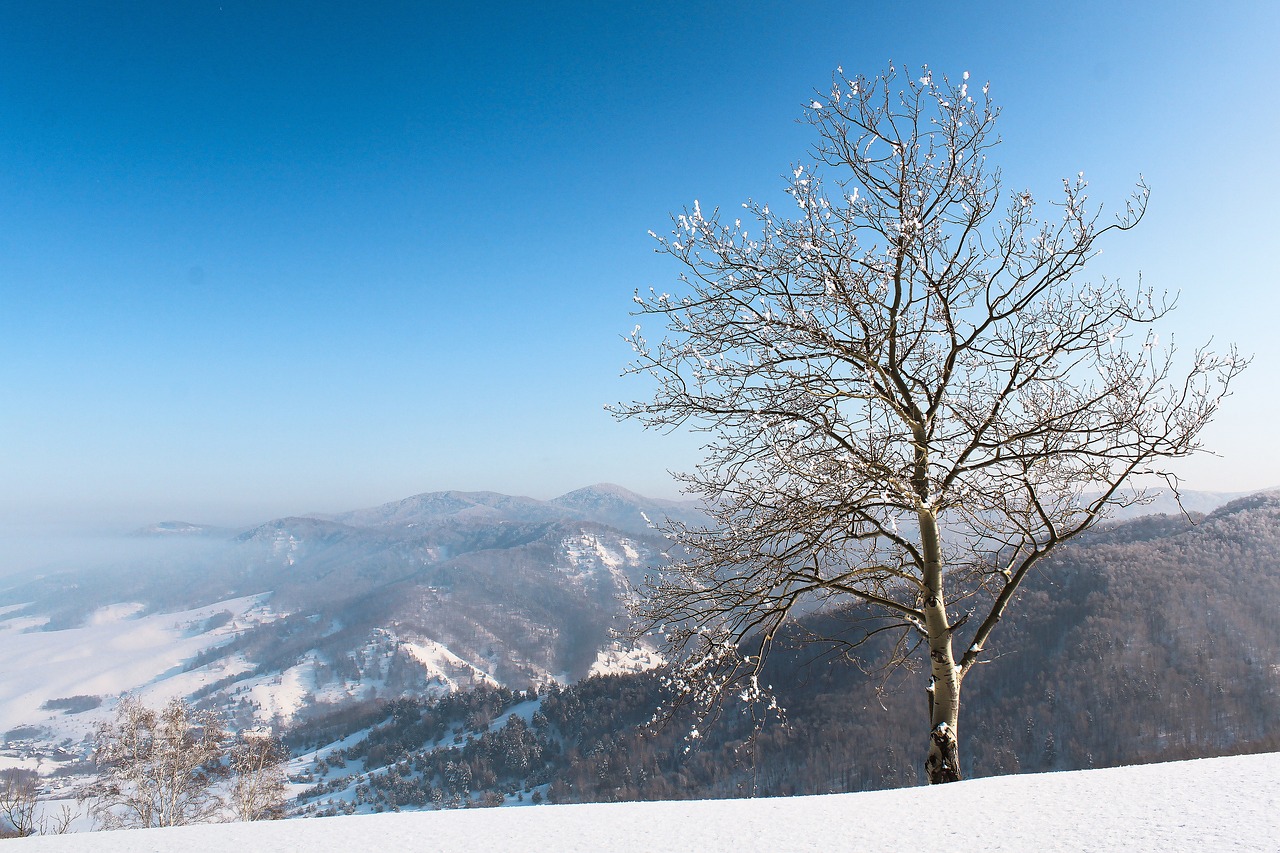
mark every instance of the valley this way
{"type": "Point", "coordinates": [457, 650]}
{"type": "Point", "coordinates": [298, 616]}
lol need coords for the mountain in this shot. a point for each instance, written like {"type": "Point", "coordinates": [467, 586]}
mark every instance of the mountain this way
{"type": "Point", "coordinates": [1144, 639]}
{"type": "Point", "coordinates": [603, 503]}
{"type": "Point", "coordinates": [1147, 640]}
{"type": "Point", "coordinates": [434, 507]}
{"type": "Point", "coordinates": [300, 615]}
{"type": "Point", "coordinates": [1162, 502]}
{"type": "Point", "coordinates": [625, 510]}
{"type": "Point", "coordinates": [183, 529]}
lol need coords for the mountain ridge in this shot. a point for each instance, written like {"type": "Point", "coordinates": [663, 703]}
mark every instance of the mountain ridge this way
{"type": "Point", "coordinates": [284, 618]}
{"type": "Point", "coordinates": [303, 615]}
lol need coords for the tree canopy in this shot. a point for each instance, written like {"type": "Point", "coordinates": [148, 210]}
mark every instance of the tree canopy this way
{"type": "Point", "coordinates": [912, 394]}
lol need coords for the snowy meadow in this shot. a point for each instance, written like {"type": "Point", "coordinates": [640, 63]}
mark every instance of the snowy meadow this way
{"type": "Point", "coordinates": [1216, 804]}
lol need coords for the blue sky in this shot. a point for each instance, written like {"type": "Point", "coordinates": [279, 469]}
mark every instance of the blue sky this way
{"type": "Point", "coordinates": [267, 258]}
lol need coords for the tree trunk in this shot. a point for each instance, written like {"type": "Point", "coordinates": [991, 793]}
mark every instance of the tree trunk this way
{"type": "Point", "coordinates": [943, 763]}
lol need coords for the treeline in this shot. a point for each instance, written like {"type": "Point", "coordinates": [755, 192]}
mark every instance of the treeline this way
{"type": "Point", "coordinates": [1153, 640]}
{"type": "Point", "coordinates": [483, 746]}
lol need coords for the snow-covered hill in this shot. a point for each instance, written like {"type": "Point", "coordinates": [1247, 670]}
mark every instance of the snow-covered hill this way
{"type": "Point", "coordinates": [603, 503]}
{"type": "Point", "coordinates": [423, 596]}
{"type": "Point", "coordinates": [117, 648]}
{"type": "Point", "coordinates": [1218, 804]}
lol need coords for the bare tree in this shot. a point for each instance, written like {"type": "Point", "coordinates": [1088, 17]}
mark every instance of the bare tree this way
{"type": "Point", "coordinates": [19, 794]}
{"type": "Point", "coordinates": [159, 768]}
{"type": "Point", "coordinates": [257, 760]}
{"type": "Point", "coordinates": [20, 805]}
{"type": "Point", "coordinates": [59, 822]}
{"type": "Point", "coordinates": [912, 396]}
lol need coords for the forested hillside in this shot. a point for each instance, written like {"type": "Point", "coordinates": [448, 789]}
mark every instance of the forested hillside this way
{"type": "Point", "coordinates": [1149, 640]}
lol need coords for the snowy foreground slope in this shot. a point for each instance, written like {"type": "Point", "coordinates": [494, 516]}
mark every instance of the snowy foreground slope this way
{"type": "Point", "coordinates": [1216, 804]}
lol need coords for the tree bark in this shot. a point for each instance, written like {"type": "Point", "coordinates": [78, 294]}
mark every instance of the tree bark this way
{"type": "Point", "coordinates": [943, 762]}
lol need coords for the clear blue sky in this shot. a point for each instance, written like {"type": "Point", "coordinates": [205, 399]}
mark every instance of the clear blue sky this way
{"type": "Point", "coordinates": [261, 258]}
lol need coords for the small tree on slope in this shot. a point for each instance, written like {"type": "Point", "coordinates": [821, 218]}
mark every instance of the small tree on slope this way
{"type": "Point", "coordinates": [257, 759]}
{"type": "Point", "coordinates": [159, 768]}
{"type": "Point", "coordinates": [911, 395]}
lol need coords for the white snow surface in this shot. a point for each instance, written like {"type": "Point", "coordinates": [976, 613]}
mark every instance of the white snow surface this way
{"type": "Point", "coordinates": [119, 648]}
{"type": "Point", "coordinates": [444, 665]}
{"type": "Point", "coordinates": [1216, 804]}
{"type": "Point", "coordinates": [617, 658]}
{"type": "Point", "coordinates": [588, 553]}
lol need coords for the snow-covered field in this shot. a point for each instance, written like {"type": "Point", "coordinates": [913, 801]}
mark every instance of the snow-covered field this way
{"type": "Point", "coordinates": [117, 649]}
{"type": "Point", "coordinates": [1217, 804]}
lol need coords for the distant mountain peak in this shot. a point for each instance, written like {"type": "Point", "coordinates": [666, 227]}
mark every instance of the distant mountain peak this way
{"type": "Point", "coordinates": [183, 529]}
{"type": "Point", "coordinates": [431, 507]}
{"type": "Point", "coordinates": [612, 491]}
{"type": "Point", "coordinates": [300, 526]}
{"type": "Point", "coordinates": [605, 489]}
{"type": "Point", "coordinates": [610, 504]}
{"type": "Point", "coordinates": [180, 527]}
{"type": "Point", "coordinates": [603, 503]}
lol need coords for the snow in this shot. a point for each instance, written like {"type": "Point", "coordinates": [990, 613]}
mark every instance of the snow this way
{"type": "Point", "coordinates": [282, 694]}
{"type": "Point", "coordinates": [279, 696]}
{"type": "Point", "coordinates": [112, 613]}
{"type": "Point", "coordinates": [118, 649]}
{"type": "Point", "coordinates": [617, 658]}
{"type": "Point", "coordinates": [588, 553]}
{"type": "Point", "coordinates": [443, 664]}
{"type": "Point", "coordinates": [22, 624]}
{"type": "Point", "coordinates": [524, 710]}
{"type": "Point", "coordinates": [284, 545]}
{"type": "Point", "coordinates": [1217, 804]}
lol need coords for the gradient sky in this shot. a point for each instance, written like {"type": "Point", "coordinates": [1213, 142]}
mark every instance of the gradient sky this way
{"type": "Point", "coordinates": [265, 258]}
